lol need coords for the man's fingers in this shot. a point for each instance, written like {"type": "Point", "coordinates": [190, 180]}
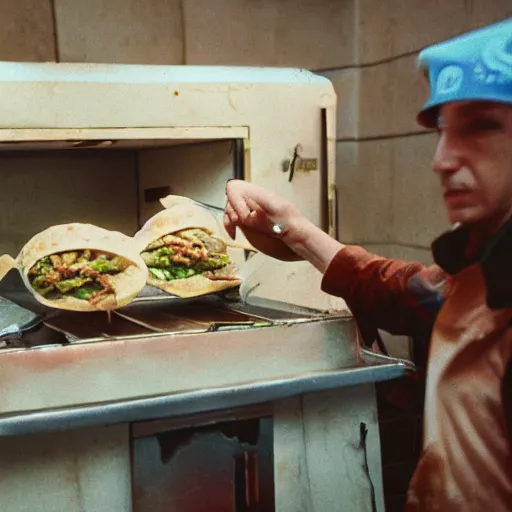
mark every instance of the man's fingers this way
{"type": "Point", "coordinates": [253, 205]}
{"type": "Point", "coordinates": [239, 206]}
{"type": "Point", "coordinates": [230, 227]}
{"type": "Point", "coordinates": [230, 219]}
{"type": "Point", "coordinates": [230, 211]}
{"type": "Point", "coordinates": [258, 218]}
{"type": "Point", "coordinates": [237, 199]}
{"type": "Point", "coordinates": [243, 196]}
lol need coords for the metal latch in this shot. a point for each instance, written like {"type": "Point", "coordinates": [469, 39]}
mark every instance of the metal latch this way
{"type": "Point", "coordinates": [298, 163]}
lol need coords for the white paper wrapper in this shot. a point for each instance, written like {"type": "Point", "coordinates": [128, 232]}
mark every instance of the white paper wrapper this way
{"type": "Point", "coordinates": [295, 283]}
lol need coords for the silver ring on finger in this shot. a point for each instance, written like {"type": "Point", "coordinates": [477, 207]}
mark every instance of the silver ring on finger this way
{"type": "Point", "coordinates": [277, 229]}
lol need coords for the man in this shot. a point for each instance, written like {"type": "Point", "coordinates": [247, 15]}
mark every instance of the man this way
{"type": "Point", "coordinates": [465, 301]}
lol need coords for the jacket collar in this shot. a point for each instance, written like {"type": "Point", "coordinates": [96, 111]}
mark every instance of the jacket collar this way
{"type": "Point", "coordinates": [495, 260]}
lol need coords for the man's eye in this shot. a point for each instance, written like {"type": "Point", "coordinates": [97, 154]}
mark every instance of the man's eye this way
{"type": "Point", "coordinates": [485, 125]}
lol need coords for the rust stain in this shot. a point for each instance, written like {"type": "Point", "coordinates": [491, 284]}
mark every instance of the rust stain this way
{"type": "Point", "coordinates": [48, 360]}
{"type": "Point", "coordinates": [80, 363]}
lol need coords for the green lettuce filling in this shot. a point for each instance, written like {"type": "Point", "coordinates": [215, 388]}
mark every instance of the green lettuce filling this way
{"type": "Point", "coordinates": [168, 271]}
{"type": "Point", "coordinates": [74, 273]}
{"type": "Point", "coordinates": [162, 265]}
{"type": "Point", "coordinates": [86, 292]}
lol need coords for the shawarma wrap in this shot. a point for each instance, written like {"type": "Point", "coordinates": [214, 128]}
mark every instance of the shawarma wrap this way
{"type": "Point", "coordinates": [186, 253]}
{"type": "Point", "coordinates": [80, 267]}
{"type": "Point", "coordinates": [249, 239]}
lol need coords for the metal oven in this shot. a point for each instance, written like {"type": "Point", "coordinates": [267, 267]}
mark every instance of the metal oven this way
{"type": "Point", "coordinates": [213, 403]}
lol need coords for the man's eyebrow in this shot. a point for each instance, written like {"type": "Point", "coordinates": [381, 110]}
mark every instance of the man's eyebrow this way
{"type": "Point", "coordinates": [480, 107]}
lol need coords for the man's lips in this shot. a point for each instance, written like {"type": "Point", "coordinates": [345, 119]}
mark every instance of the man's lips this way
{"type": "Point", "coordinates": [456, 193]}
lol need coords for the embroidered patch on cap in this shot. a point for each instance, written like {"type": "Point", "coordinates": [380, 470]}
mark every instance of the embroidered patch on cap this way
{"type": "Point", "coordinates": [450, 80]}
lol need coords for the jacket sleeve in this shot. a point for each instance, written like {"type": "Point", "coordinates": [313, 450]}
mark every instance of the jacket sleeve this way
{"type": "Point", "coordinates": [393, 295]}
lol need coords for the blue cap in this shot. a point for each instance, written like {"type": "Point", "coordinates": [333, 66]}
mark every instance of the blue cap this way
{"type": "Point", "coordinates": [476, 66]}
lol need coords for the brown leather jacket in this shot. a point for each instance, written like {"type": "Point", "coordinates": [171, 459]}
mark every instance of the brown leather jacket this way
{"type": "Point", "coordinates": [466, 307]}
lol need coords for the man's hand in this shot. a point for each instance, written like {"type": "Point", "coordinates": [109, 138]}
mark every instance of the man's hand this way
{"type": "Point", "coordinates": [254, 207]}
{"type": "Point", "coordinates": [259, 209]}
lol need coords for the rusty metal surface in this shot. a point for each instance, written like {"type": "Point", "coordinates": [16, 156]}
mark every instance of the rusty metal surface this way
{"type": "Point", "coordinates": [166, 358]}
{"type": "Point", "coordinates": [169, 359]}
{"type": "Point", "coordinates": [199, 315]}
{"type": "Point", "coordinates": [95, 325]}
{"type": "Point", "coordinates": [149, 313]}
{"type": "Point", "coordinates": [157, 348]}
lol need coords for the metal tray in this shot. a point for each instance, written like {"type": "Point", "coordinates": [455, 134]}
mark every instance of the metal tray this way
{"type": "Point", "coordinates": [163, 357]}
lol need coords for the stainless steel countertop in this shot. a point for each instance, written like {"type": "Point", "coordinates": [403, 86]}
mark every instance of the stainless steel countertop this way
{"type": "Point", "coordinates": [375, 368]}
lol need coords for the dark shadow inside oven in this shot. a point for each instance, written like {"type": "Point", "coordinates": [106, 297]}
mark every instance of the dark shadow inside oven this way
{"type": "Point", "coordinates": [217, 467]}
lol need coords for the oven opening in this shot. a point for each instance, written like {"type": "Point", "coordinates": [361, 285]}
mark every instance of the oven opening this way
{"type": "Point", "coordinates": [115, 183]}
{"type": "Point", "coordinates": [224, 465]}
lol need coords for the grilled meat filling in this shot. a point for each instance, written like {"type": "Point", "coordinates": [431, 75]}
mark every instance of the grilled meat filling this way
{"type": "Point", "coordinates": [81, 274]}
{"type": "Point", "coordinates": [185, 254]}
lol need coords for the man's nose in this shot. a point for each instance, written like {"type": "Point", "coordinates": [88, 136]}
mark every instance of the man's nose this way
{"type": "Point", "coordinates": [447, 158]}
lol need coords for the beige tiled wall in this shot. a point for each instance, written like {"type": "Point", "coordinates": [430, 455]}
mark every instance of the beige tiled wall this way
{"type": "Point", "coordinates": [120, 31]}
{"type": "Point", "coordinates": [387, 193]}
{"type": "Point", "coordinates": [305, 33]}
{"type": "Point", "coordinates": [26, 30]}
{"type": "Point", "coordinates": [365, 185]}
{"type": "Point", "coordinates": [390, 95]}
{"type": "Point", "coordinates": [395, 27]}
{"type": "Point", "coordinates": [316, 34]}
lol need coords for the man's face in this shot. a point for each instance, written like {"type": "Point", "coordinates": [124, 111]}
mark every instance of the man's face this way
{"type": "Point", "coordinates": [474, 161]}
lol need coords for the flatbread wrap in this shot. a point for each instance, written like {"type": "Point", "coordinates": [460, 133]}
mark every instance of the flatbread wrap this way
{"type": "Point", "coordinates": [185, 253]}
{"type": "Point", "coordinates": [248, 238]}
{"type": "Point", "coordinates": [80, 267]}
